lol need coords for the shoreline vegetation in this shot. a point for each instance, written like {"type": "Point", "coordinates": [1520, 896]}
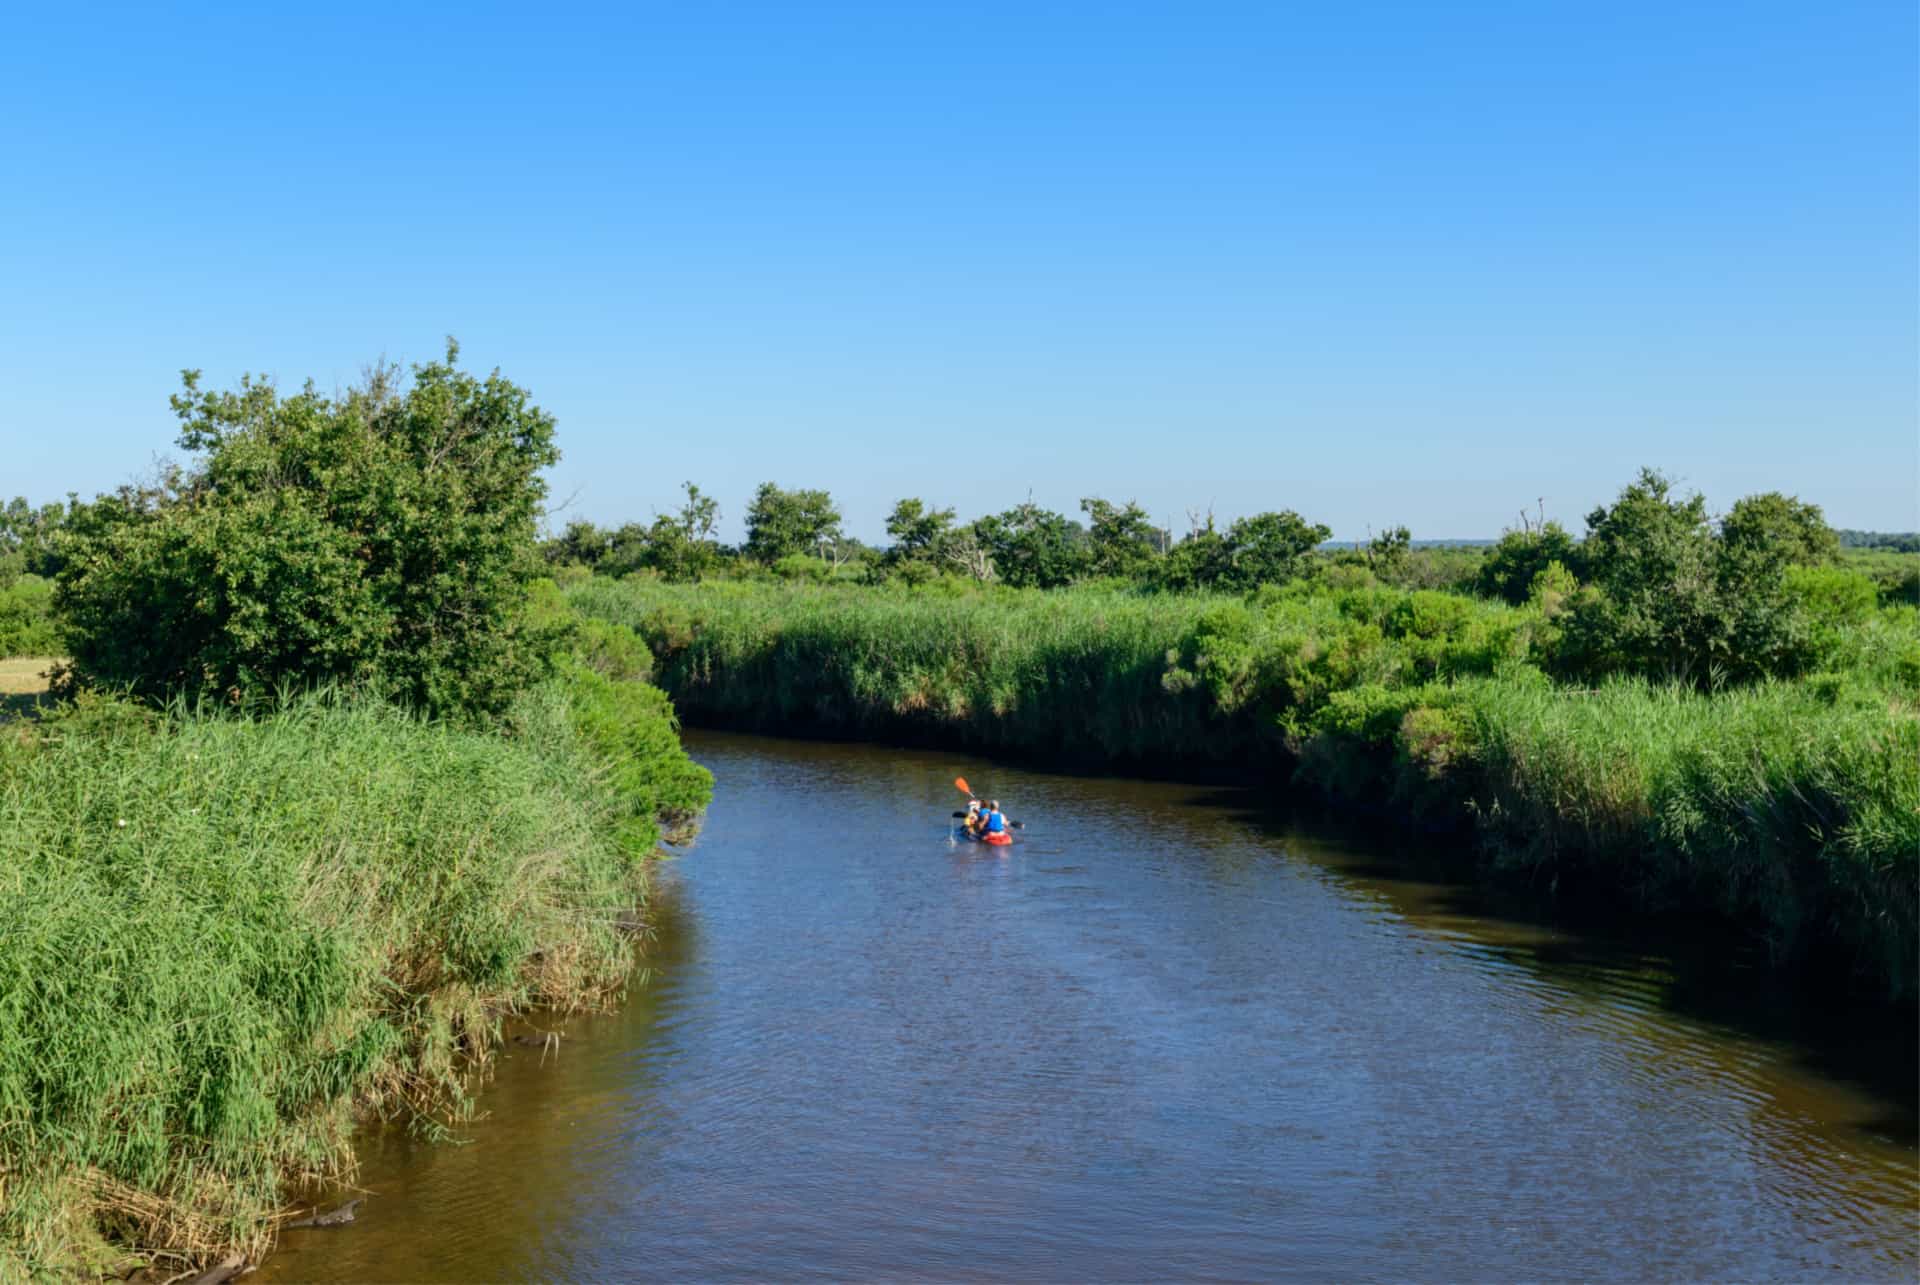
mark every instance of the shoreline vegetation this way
{"type": "Point", "coordinates": [231, 939]}
{"type": "Point", "coordinates": [1787, 808]}
{"type": "Point", "coordinates": [326, 788]}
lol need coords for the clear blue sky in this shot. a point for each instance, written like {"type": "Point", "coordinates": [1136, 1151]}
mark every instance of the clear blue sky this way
{"type": "Point", "coordinates": [1379, 263]}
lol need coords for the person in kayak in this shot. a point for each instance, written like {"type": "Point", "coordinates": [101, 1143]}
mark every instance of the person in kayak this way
{"type": "Point", "coordinates": [996, 820]}
{"type": "Point", "coordinates": [974, 819]}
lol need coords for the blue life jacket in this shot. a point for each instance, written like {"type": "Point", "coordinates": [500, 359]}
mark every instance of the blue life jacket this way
{"type": "Point", "coordinates": [996, 823]}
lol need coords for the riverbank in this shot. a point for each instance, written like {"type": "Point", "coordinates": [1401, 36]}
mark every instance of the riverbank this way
{"type": "Point", "coordinates": [1790, 810]}
{"type": "Point", "coordinates": [1174, 1035]}
{"type": "Point", "coordinates": [230, 939]}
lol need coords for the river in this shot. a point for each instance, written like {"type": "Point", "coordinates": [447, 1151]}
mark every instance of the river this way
{"type": "Point", "coordinates": [1164, 1036]}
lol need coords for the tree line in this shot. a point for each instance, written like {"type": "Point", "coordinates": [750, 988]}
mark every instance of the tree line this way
{"type": "Point", "coordinates": [799, 533]}
{"type": "Point", "coordinates": [386, 536]}
{"type": "Point", "coordinates": [1656, 584]}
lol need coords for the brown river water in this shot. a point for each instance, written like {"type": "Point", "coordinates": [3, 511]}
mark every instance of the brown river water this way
{"type": "Point", "coordinates": [1166, 1035]}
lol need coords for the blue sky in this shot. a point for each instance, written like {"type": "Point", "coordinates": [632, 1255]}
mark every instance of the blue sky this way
{"type": "Point", "coordinates": [1378, 263]}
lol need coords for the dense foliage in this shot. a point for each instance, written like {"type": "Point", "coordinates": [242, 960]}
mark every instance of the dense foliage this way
{"type": "Point", "coordinates": [30, 537]}
{"type": "Point", "coordinates": [1790, 807]}
{"type": "Point", "coordinates": [781, 523]}
{"type": "Point", "coordinates": [382, 539]}
{"type": "Point", "coordinates": [224, 934]}
{"type": "Point", "coordinates": [26, 618]}
{"type": "Point", "coordinates": [1658, 586]}
{"type": "Point", "coordinates": [293, 873]}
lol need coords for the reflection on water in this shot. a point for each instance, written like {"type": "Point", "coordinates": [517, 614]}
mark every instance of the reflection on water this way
{"type": "Point", "coordinates": [1161, 1037]}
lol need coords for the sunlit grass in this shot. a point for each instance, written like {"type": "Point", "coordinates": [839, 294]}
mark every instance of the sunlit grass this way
{"type": "Point", "coordinates": [23, 683]}
{"type": "Point", "coordinates": [224, 936]}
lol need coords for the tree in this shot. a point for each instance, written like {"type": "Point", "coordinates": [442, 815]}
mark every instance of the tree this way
{"type": "Point", "coordinates": [1511, 565]}
{"type": "Point", "coordinates": [680, 546]}
{"type": "Point", "coordinates": [699, 514]}
{"type": "Point", "coordinates": [1270, 548]}
{"type": "Point", "coordinates": [32, 539]}
{"type": "Point", "coordinates": [1777, 531]}
{"type": "Point", "coordinates": [383, 539]}
{"type": "Point", "coordinates": [1032, 547]}
{"type": "Point", "coordinates": [1657, 605]}
{"type": "Point", "coordinates": [1121, 541]}
{"type": "Point", "coordinates": [780, 523]}
{"type": "Point", "coordinates": [1203, 560]}
{"type": "Point", "coordinates": [967, 553]}
{"type": "Point", "coordinates": [919, 533]}
{"type": "Point", "coordinates": [582, 543]}
{"type": "Point", "coordinates": [1266, 548]}
{"type": "Point", "coordinates": [1386, 553]}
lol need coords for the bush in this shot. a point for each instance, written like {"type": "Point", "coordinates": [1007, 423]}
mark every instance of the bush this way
{"type": "Point", "coordinates": [26, 619]}
{"type": "Point", "coordinates": [802, 566]}
{"type": "Point", "coordinates": [382, 540]}
{"type": "Point", "coordinates": [1511, 565]}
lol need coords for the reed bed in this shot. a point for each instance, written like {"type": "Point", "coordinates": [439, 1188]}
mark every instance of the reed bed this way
{"type": "Point", "coordinates": [1792, 808]}
{"type": "Point", "coordinates": [228, 938]}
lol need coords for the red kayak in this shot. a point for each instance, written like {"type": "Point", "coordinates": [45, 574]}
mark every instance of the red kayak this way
{"type": "Point", "coordinates": [1000, 840]}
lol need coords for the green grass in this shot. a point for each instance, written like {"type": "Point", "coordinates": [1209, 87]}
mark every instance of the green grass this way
{"type": "Point", "coordinates": [1027, 670]}
{"type": "Point", "coordinates": [227, 939]}
{"type": "Point", "coordinates": [1775, 804]}
{"type": "Point", "coordinates": [1792, 808]}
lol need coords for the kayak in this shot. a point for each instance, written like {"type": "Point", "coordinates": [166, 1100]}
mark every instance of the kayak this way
{"type": "Point", "coordinates": [1000, 840]}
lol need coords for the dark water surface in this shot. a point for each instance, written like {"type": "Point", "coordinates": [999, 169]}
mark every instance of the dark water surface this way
{"type": "Point", "coordinates": [1161, 1037]}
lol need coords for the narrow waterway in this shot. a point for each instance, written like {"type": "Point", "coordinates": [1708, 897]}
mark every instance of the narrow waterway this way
{"type": "Point", "coordinates": [1164, 1036]}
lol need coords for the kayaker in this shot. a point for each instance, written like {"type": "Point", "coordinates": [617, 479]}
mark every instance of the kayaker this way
{"type": "Point", "coordinates": [996, 820]}
{"type": "Point", "coordinates": [972, 823]}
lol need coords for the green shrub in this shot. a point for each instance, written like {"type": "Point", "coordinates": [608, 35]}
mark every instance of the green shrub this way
{"type": "Point", "coordinates": [27, 627]}
{"type": "Point", "coordinates": [802, 566]}
{"type": "Point", "coordinates": [382, 540]}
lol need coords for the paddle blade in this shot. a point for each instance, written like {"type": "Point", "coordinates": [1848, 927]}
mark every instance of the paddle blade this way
{"type": "Point", "coordinates": [960, 784]}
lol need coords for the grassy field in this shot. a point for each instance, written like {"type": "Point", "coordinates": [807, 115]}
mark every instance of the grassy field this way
{"type": "Point", "coordinates": [23, 675]}
{"type": "Point", "coordinates": [23, 683]}
{"type": "Point", "coordinates": [1791, 808]}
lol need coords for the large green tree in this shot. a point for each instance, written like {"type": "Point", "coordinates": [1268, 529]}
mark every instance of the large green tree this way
{"type": "Point", "coordinates": [1121, 539]}
{"type": "Point", "coordinates": [1509, 569]}
{"type": "Point", "coordinates": [1271, 548]}
{"type": "Point", "coordinates": [920, 533]}
{"type": "Point", "coordinates": [383, 538]}
{"type": "Point", "coordinates": [781, 523]}
{"type": "Point", "coordinates": [1655, 605]}
{"type": "Point", "coordinates": [1032, 547]}
{"type": "Point", "coordinates": [1670, 597]}
{"type": "Point", "coordinates": [1778, 530]}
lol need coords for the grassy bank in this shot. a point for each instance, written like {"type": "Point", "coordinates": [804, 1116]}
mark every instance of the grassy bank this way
{"type": "Point", "coordinates": [229, 938]}
{"type": "Point", "coordinates": [1792, 808]}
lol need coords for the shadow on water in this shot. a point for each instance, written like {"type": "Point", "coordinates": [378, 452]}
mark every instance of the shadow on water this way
{"type": "Point", "coordinates": [1704, 973]}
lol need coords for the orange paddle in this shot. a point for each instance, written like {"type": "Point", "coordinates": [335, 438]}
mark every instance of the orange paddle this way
{"type": "Point", "coordinates": [960, 783]}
